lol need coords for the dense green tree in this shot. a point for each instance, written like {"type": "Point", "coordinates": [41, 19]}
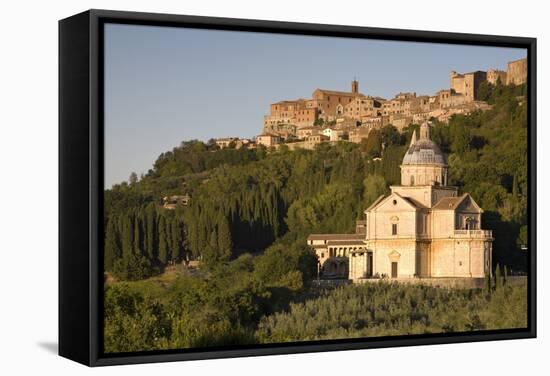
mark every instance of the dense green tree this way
{"type": "Point", "coordinates": [127, 237]}
{"type": "Point", "coordinates": [163, 241]}
{"type": "Point", "coordinates": [177, 240]}
{"type": "Point", "coordinates": [137, 235]}
{"type": "Point", "coordinates": [151, 231]}
{"type": "Point", "coordinates": [133, 178]}
{"type": "Point", "coordinates": [372, 145]}
{"type": "Point", "coordinates": [224, 239]}
{"type": "Point", "coordinates": [523, 240]}
{"type": "Point", "coordinates": [485, 90]}
{"type": "Point", "coordinates": [389, 135]}
{"type": "Point", "coordinates": [374, 187]}
{"type": "Point", "coordinates": [113, 250]}
{"type": "Point", "coordinates": [498, 277]}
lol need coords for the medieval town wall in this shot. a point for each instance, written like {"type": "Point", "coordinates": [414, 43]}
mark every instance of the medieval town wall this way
{"type": "Point", "coordinates": [517, 72]}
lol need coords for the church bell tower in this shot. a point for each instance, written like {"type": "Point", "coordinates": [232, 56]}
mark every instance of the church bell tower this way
{"type": "Point", "coordinates": [355, 86]}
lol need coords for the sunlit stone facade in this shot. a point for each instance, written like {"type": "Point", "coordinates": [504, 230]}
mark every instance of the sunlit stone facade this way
{"type": "Point", "coordinates": [422, 229]}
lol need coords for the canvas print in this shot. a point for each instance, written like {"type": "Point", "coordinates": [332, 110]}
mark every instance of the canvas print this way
{"type": "Point", "coordinates": [266, 188]}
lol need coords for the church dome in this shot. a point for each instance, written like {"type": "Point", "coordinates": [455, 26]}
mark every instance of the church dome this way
{"type": "Point", "coordinates": [424, 151]}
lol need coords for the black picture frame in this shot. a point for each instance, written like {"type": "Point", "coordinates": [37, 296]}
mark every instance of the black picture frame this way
{"type": "Point", "coordinates": [81, 184]}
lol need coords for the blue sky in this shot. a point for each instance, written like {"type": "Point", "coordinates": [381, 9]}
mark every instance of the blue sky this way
{"type": "Point", "coordinates": [164, 85]}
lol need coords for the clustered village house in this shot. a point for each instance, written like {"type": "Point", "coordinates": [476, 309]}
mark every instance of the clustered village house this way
{"type": "Point", "coordinates": [332, 116]}
{"type": "Point", "coordinates": [423, 229]}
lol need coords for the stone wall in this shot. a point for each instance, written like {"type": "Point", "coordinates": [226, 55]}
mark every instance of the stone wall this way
{"type": "Point", "coordinates": [517, 72]}
{"type": "Point", "coordinates": [494, 75]}
{"type": "Point", "coordinates": [458, 258]}
{"type": "Point", "coordinates": [455, 283]}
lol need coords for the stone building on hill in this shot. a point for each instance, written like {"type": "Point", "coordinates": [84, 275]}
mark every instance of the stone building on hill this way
{"type": "Point", "coordinates": [423, 229]}
{"type": "Point", "coordinates": [467, 84]}
{"type": "Point", "coordinates": [517, 72]}
{"type": "Point", "coordinates": [268, 140]}
{"type": "Point", "coordinates": [494, 76]}
{"type": "Point", "coordinates": [325, 105]}
{"type": "Point", "coordinates": [354, 114]}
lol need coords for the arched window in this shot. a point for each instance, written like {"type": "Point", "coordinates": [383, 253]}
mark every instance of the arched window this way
{"type": "Point", "coordinates": [412, 179]}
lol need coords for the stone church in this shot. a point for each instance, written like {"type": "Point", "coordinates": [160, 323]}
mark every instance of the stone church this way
{"type": "Point", "coordinates": [422, 229]}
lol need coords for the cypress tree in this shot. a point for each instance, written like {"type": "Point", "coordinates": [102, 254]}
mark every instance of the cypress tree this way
{"type": "Point", "coordinates": [211, 249]}
{"type": "Point", "coordinates": [112, 246]}
{"type": "Point", "coordinates": [488, 283]}
{"type": "Point", "coordinates": [498, 278]}
{"type": "Point", "coordinates": [224, 240]}
{"type": "Point", "coordinates": [150, 214]}
{"type": "Point", "coordinates": [176, 240]}
{"type": "Point", "coordinates": [163, 245]}
{"type": "Point", "coordinates": [505, 277]}
{"type": "Point", "coordinates": [515, 186]}
{"type": "Point", "coordinates": [137, 235]}
{"type": "Point", "coordinates": [127, 237]}
{"type": "Point", "coordinates": [168, 228]}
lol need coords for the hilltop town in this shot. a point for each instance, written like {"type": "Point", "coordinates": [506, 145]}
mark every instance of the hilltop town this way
{"type": "Point", "coordinates": [332, 116]}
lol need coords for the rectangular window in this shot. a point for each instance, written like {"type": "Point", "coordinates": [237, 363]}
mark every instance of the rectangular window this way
{"type": "Point", "coordinates": [394, 229]}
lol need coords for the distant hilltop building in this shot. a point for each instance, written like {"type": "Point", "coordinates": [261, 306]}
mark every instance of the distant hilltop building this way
{"type": "Point", "coordinates": [494, 76]}
{"type": "Point", "coordinates": [467, 84]}
{"type": "Point", "coordinates": [356, 114]}
{"type": "Point", "coordinates": [232, 142]}
{"type": "Point", "coordinates": [171, 202]}
{"type": "Point", "coordinates": [424, 229]}
{"type": "Point", "coordinates": [326, 105]}
{"type": "Point", "coordinates": [517, 72]}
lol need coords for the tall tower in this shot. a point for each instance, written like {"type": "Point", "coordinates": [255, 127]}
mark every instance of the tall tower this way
{"type": "Point", "coordinates": [355, 86]}
{"type": "Point", "coordinates": [424, 163]}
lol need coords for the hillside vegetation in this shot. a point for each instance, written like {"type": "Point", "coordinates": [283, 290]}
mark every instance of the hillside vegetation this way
{"type": "Point", "coordinates": [233, 306]}
{"type": "Point", "coordinates": [251, 210]}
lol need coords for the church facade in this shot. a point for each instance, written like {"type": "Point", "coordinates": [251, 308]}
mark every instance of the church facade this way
{"type": "Point", "coordinates": [422, 229]}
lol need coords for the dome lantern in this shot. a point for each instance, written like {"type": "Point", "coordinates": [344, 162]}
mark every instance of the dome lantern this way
{"type": "Point", "coordinates": [424, 163]}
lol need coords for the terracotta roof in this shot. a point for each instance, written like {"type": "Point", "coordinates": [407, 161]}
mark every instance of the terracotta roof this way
{"type": "Point", "coordinates": [344, 93]}
{"type": "Point", "coordinates": [449, 203]}
{"type": "Point", "coordinates": [344, 237]}
{"type": "Point", "coordinates": [291, 101]}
